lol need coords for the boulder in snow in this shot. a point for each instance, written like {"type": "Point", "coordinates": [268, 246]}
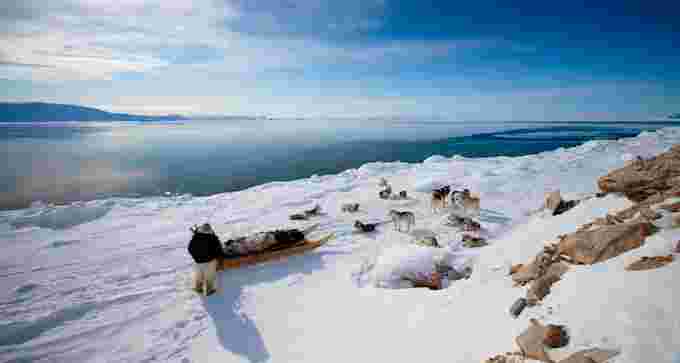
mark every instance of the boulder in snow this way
{"type": "Point", "coordinates": [592, 246]}
{"type": "Point", "coordinates": [540, 288]}
{"type": "Point", "coordinates": [649, 263]}
{"type": "Point", "coordinates": [552, 200]}
{"type": "Point", "coordinates": [530, 342]}
{"type": "Point", "coordinates": [593, 355]}
{"type": "Point", "coordinates": [643, 178]}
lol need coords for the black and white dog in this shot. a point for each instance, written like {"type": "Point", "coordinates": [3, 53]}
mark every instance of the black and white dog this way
{"type": "Point", "coordinates": [464, 203]}
{"type": "Point", "coordinates": [385, 193]}
{"type": "Point", "coordinates": [365, 227]}
{"type": "Point", "coordinates": [350, 207]}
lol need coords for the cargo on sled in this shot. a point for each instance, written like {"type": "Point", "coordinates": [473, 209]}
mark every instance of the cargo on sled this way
{"type": "Point", "coordinates": [268, 246]}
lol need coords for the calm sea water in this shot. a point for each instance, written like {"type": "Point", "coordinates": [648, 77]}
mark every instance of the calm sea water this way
{"type": "Point", "coordinates": [82, 161]}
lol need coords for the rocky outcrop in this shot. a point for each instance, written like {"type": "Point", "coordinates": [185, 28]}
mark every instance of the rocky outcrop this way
{"type": "Point", "coordinates": [530, 342]}
{"type": "Point", "coordinates": [592, 246]}
{"type": "Point", "coordinates": [556, 205]}
{"type": "Point", "coordinates": [540, 288]}
{"type": "Point", "coordinates": [649, 263]}
{"type": "Point", "coordinates": [654, 186]}
{"type": "Point", "coordinates": [644, 178]}
{"type": "Point", "coordinates": [542, 272]}
{"type": "Point", "coordinates": [592, 355]}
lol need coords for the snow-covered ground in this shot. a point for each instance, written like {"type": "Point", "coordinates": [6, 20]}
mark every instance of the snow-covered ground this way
{"type": "Point", "coordinates": [107, 281]}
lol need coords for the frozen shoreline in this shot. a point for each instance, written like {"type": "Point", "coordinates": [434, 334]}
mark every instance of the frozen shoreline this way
{"type": "Point", "coordinates": [109, 283]}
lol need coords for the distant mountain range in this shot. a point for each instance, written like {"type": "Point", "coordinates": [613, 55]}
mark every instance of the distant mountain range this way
{"type": "Point", "coordinates": [46, 112]}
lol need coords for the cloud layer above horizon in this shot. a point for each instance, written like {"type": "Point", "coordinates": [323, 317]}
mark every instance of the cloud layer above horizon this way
{"type": "Point", "coordinates": [490, 60]}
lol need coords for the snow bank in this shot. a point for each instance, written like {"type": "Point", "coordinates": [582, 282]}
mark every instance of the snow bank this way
{"type": "Point", "coordinates": [60, 217]}
{"type": "Point", "coordinates": [397, 265]}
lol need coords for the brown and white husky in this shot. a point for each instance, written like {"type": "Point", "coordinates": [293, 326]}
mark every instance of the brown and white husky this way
{"type": "Point", "coordinates": [465, 203]}
{"type": "Point", "coordinates": [439, 197]}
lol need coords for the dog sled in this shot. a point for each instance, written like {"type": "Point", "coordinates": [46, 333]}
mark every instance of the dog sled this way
{"type": "Point", "coordinates": [273, 253]}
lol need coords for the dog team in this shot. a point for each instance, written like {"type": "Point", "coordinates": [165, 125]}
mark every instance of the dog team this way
{"type": "Point", "coordinates": [205, 247]}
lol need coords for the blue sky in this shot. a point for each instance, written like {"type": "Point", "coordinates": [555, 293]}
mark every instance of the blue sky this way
{"type": "Point", "coordinates": [473, 60]}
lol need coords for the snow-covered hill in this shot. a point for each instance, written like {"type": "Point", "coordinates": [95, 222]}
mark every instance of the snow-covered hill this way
{"type": "Point", "coordinates": [107, 281]}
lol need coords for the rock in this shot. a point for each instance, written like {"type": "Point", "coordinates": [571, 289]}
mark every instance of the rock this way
{"type": "Point", "coordinates": [649, 263]}
{"type": "Point", "coordinates": [649, 214]}
{"type": "Point", "coordinates": [497, 359]}
{"type": "Point", "coordinates": [515, 268]}
{"type": "Point", "coordinates": [651, 202]}
{"type": "Point", "coordinates": [591, 246]}
{"type": "Point", "coordinates": [556, 205]}
{"type": "Point", "coordinates": [525, 273]}
{"type": "Point", "coordinates": [530, 342]}
{"type": "Point", "coordinates": [594, 355]}
{"type": "Point", "coordinates": [612, 219]}
{"type": "Point", "coordinates": [506, 358]}
{"type": "Point", "coordinates": [675, 207]}
{"type": "Point", "coordinates": [535, 269]}
{"type": "Point", "coordinates": [644, 178]}
{"type": "Point", "coordinates": [540, 288]}
{"type": "Point", "coordinates": [556, 336]}
{"type": "Point", "coordinates": [564, 206]}
{"type": "Point", "coordinates": [552, 200]}
{"type": "Point", "coordinates": [517, 307]}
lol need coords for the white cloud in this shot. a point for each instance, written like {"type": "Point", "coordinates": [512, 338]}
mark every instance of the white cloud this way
{"type": "Point", "coordinates": [59, 55]}
{"type": "Point", "coordinates": [98, 40]}
{"type": "Point", "coordinates": [251, 57]}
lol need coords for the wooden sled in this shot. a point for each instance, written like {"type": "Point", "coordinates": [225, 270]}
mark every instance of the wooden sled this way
{"type": "Point", "coordinates": [272, 254]}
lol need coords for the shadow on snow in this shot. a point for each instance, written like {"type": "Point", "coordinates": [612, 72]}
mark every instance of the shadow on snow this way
{"type": "Point", "coordinates": [235, 330]}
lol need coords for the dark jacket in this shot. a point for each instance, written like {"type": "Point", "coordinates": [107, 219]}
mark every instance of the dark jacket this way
{"type": "Point", "coordinates": [205, 247]}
